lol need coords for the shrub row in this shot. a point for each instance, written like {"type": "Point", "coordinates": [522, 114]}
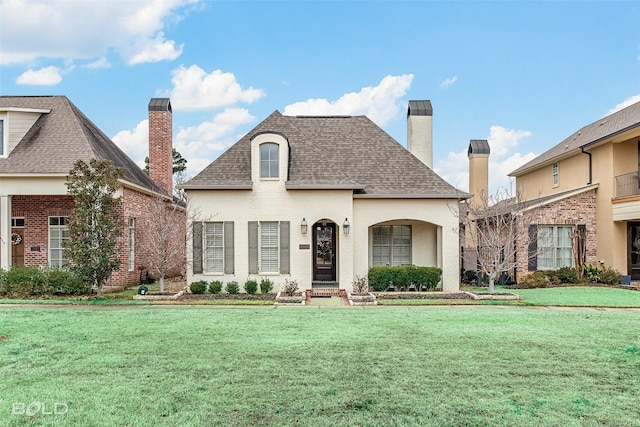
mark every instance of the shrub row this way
{"type": "Point", "coordinates": [215, 287]}
{"type": "Point", "coordinates": [546, 278]}
{"type": "Point", "coordinates": [404, 278]}
{"type": "Point", "coordinates": [34, 281]}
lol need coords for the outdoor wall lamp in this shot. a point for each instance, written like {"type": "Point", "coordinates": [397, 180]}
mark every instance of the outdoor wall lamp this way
{"type": "Point", "coordinates": [346, 226]}
{"type": "Point", "coordinates": [303, 226]}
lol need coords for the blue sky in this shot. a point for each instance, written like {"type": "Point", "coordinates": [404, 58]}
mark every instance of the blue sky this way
{"type": "Point", "coordinates": [524, 75]}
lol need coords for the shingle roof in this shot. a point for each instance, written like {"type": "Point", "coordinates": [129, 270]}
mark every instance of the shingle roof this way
{"type": "Point", "coordinates": [618, 122]}
{"type": "Point", "coordinates": [61, 137]}
{"type": "Point", "coordinates": [332, 152]}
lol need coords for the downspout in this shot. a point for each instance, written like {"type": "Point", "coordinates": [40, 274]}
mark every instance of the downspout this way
{"type": "Point", "coordinates": [590, 168]}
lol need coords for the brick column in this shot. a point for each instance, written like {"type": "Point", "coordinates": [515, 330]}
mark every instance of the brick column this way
{"type": "Point", "coordinates": [160, 143]}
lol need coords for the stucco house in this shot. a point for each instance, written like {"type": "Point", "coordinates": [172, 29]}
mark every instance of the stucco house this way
{"type": "Point", "coordinates": [320, 200]}
{"type": "Point", "coordinates": [41, 137]}
{"type": "Point", "coordinates": [586, 183]}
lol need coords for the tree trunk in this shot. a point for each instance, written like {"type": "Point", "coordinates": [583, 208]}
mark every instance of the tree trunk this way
{"type": "Point", "coordinates": [491, 280]}
{"type": "Point", "coordinates": [162, 284]}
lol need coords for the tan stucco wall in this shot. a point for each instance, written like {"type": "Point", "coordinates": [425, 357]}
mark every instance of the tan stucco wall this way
{"type": "Point", "coordinates": [573, 172]}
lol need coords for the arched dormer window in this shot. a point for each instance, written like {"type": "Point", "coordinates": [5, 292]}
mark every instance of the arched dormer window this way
{"type": "Point", "coordinates": [269, 163]}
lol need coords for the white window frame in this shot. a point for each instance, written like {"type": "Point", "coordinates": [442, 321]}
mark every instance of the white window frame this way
{"type": "Point", "coordinates": [269, 244]}
{"type": "Point", "coordinates": [550, 241]}
{"type": "Point", "coordinates": [132, 243]}
{"type": "Point", "coordinates": [58, 228]}
{"type": "Point", "coordinates": [555, 174]}
{"type": "Point", "coordinates": [390, 247]}
{"type": "Point", "coordinates": [273, 159]}
{"type": "Point", "coordinates": [3, 137]}
{"type": "Point", "coordinates": [213, 247]}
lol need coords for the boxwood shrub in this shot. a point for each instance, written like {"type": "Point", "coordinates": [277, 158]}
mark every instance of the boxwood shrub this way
{"type": "Point", "coordinates": [251, 287]}
{"type": "Point", "coordinates": [404, 277]}
{"type": "Point", "coordinates": [40, 281]}
{"type": "Point", "coordinates": [215, 286]}
{"type": "Point", "coordinates": [198, 287]}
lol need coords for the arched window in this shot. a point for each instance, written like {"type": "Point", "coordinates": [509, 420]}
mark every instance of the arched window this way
{"type": "Point", "coordinates": [269, 160]}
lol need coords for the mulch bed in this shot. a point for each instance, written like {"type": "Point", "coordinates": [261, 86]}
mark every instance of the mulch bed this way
{"type": "Point", "coordinates": [417, 295]}
{"type": "Point", "coordinates": [200, 297]}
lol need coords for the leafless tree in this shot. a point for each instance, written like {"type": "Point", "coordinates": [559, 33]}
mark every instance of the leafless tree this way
{"type": "Point", "coordinates": [162, 246]}
{"type": "Point", "coordinates": [491, 228]}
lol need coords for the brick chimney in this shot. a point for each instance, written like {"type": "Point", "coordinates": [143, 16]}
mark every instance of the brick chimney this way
{"type": "Point", "coordinates": [160, 143]}
{"type": "Point", "coordinates": [479, 170]}
{"type": "Point", "coordinates": [420, 131]}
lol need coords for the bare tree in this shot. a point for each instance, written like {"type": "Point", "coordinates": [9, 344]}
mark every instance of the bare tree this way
{"type": "Point", "coordinates": [162, 246]}
{"type": "Point", "coordinates": [491, 228]}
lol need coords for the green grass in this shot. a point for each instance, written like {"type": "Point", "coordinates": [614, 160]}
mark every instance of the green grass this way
{"type": "Point", "coordinates": [422, 366]}
{"type": "Point", "coordinates": [581, 296]}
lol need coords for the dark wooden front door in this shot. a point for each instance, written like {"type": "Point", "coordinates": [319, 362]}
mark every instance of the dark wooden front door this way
{"type": "Point", "coordinates": [633, 250]}
{"type": "Point", "coordinates": [324, 259]}
{"type": "Point", "coordinates": [17, 247]}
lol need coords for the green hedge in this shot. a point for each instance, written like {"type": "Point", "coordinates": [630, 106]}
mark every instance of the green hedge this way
{"type": "Point", "coordinates": [404, 277]}
{"type": "Point", "coordinates": [35, 281]}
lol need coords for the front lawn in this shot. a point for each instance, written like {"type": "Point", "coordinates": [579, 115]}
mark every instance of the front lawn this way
{"type": "Point", "coordinates": [580, 296]}
{"type": "Point", "coordinates": [435, 366]}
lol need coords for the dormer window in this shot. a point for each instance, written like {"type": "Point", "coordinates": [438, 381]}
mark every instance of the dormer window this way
{"type": "Point", "coordinates": [269, 163]}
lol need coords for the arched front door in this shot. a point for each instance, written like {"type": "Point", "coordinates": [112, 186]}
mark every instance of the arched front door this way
{"type": "Point", "coordinates": [324, 252]}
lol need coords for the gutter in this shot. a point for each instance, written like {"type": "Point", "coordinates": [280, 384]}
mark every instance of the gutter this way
{"type": "Point", "coordinates": [590, 165]}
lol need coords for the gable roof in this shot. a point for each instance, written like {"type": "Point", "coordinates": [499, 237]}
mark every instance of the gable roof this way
{"type": "Point", "coordinates": [61, 137]}
{"type": "Point", "coordinates": [621, 121]}
{"type": "Point", "coordinates": [332, 152]}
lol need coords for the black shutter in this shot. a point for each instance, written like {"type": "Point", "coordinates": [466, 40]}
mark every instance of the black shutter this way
{"type": "Point", "coordinates": [197, 247]}
{"type": "Point", "coordinates": [229, 266]}
{"type": "Point", "coordinates": [532, 263]}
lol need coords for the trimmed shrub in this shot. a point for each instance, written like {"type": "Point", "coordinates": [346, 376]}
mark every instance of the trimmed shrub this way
{"type": "Point", "coordinates": [65, 282]}
{"type": "Point", "coordinates": [567, 275]}
{"type": "Point", "coordinates": [404, 277]}
{"type": "Point", "coordinates": [610, 276]}
{"type": "Point", "coordinates": [198, 287]}
{"type": "Point", "coordinates": [215, 287]}
{"type": "Point", "coordinates": [537, 279]}
{"type": "Point", "coordinates": [266, 286]}
{"type": "Point", "coordinates": [232, 288]}
{"type": "Point", "coordinates": [469, 277]}
{"type": "Point", "coordinates": [27, 281]}
{"type": "Point", "coordinates": [251, 287]}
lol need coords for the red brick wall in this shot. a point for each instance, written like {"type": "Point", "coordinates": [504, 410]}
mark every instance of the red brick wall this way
{"type": "Point", "coordinates": [36, 211]}
{"type": "Point", "coordinates": [160, 149]}
{"type": "Point", "coordinates": [576, 210]}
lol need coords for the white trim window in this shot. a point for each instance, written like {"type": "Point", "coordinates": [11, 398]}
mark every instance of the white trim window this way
{"type": "Point", "coordinates": [213, 247]}
{"type": "Point", "coordinates": [58, 234]}
{"type": "Point", "coordinates": [391, 245]}
{"type": "Point", "coordinates": [269, 247]}
{"type": "Point", "coordinates": [554, 247]}
{"type": "Point", "coordinates": [132, 243]}
{"type": "Point", "coordinates": [269, 160]}
{"type": "Point", "coordinates": [555, 174]}
{"type": "Point", "coordinates": [3, 149]}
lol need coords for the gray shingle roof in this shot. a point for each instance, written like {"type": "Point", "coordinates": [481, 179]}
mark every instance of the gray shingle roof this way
{"type": "Point", "coordinates": [618, 122]}
{"type": "Point", "coordinates": [59, 138]}
{"type": "Point", "coordinates": [332, 152]}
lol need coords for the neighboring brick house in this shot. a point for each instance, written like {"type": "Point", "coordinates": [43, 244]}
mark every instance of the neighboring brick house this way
{"type": "Point", "coordinates": [41, 137]}
{"type": "Point", "coordinates": [586, 186]}
{"type": "Point", "coordinates": [322, 199]}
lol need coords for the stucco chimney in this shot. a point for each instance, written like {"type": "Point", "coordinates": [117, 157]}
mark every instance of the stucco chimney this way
{"type": "Point", "coordinates": [420, 131]}
{"type": "Point", "coordinates": [479, 170]}
{"type": "Point", "coordinates": [160, 143]}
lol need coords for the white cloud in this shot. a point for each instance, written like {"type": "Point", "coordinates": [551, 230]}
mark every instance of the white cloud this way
{"type": "Point", "coordinates": [98, 64]}
{"type": "Point", "coordinates": [380, 103]}
{"type": "Point", "coordinates": [155, 50]}
{"type": "Point", "coordinates": [195, 89]}
{"type": "Point", "coordinates": [134, 142]}
{"type": "Point", "coordinates": [87, 29]}
{"type": "Point", "coordinates": [448, 82]}
{"type": "Point", "coordinates": [48, 76]}
{"type": "Point", "coordinates": [629, 101]}
{"type": "Point", "coordinates": [199, 145]}
{"type": "Point", "coordinates": [502, 160]}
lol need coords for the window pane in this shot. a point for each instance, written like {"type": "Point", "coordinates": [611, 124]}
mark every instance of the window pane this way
{"type": "Point", "coordinates": [269, 247]}
{"type": "Point", "coordinates": [214, 247]}
{"type": "Point", "coordinates": [269, 160]}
